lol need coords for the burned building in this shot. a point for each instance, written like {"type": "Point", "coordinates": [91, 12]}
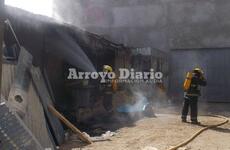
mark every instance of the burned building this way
{"type": "Point", "coordinates": [96, 69]}
{"type": "Point", "coordinates": [54, 48]}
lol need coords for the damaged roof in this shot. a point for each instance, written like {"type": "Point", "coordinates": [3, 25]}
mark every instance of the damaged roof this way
{"type": "Point", "coordinates": [39, 34]}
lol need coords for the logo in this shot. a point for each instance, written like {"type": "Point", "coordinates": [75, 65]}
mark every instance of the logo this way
{"type": "Point", "coordinates": [124, 75]}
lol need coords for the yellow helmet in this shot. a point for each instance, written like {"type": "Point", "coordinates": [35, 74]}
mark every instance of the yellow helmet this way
{"type": "Point", "coordinates": [107, 68]}
{"type": "Point", "coordinates": [197, 69]}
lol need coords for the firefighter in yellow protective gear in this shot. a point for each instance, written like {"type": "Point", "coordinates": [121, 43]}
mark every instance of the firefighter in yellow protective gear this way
{"type": "Point", "coordinates": [108, 88]}
{"type": "Point", "coordinates": [192, 83]}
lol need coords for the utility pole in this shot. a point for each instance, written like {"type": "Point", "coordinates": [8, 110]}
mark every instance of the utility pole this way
{"type": "Point", "coordinates": [2, 19]}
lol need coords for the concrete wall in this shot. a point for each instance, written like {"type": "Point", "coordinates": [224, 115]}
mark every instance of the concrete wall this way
{"type": "Point", "coordinates": [213, 61]}
{"type": "Point", "coordinates": [162, 24]}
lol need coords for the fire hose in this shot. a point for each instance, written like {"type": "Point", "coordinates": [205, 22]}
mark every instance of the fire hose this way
{"type": "Point", "coordinates": [226, 120]}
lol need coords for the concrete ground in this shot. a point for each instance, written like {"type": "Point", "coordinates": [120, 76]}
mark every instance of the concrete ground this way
{"type": "Point", "coordinates": [162, 132]}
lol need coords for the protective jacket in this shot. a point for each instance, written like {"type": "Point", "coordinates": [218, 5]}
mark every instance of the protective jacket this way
{"type": "Point", "coordinates": [197, 81]}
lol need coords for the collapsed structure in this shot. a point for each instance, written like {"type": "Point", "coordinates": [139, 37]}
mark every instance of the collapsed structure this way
{"type": "Point", "coordinates": [35, 77]}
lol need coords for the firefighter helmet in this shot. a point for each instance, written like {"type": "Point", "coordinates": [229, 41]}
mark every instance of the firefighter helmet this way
{"type": "Point", "coordinates": [107, 68]}
{"type": "Point", "coordinates": [198, 70]}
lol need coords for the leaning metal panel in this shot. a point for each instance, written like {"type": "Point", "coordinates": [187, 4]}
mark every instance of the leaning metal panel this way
{"type": "Point", "coordinates": [14, 135]}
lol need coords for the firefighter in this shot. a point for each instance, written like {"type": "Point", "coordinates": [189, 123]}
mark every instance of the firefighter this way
{"type": "Point", "coordinates": [192, 84]}
{"type": "Point", "coordinates": [107, 90]}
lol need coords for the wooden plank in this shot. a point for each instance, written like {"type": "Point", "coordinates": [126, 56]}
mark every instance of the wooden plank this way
{"type": "Point", "coordinates": [69, 125]}
{"type": "Point", "coordinates": [17, 78]}
{"type": "Point", "coordinates": [35, 119]}
{"type": "Point", "coordinates": [17, 97]}
{"type": "Point", "coordinates": [47, 81]}
{"type": "Point", "coordinates": [8, 71]}
{"type": "Point", "coordinates": [43, 93]}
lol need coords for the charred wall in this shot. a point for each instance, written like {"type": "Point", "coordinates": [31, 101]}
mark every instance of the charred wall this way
{"type": "Point", "coordinates": [56, 47]}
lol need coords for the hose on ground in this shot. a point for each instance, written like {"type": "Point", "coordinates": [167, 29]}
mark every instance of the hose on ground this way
{"type": "Point", "coordinates": [226, 120]}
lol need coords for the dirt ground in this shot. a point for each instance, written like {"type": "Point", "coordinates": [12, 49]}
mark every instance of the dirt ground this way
{"type": "Point", "coordinates": [162, 132]}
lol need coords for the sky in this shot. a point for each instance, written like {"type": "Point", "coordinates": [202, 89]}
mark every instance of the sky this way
{"type": "Point", "coordinates": [42, 7]}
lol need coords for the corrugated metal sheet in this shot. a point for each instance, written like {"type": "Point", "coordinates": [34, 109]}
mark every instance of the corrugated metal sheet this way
{"type": "Point", "coordinates": [214, 62]}
{"type": "Point", "coordinates": [14, 135]}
